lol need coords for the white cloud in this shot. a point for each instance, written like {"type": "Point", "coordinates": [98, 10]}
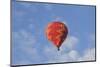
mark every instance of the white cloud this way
{"type": "Point", "coordinates": [23, 37]}
{"type": "Point", "coordinates": [92, 40]}
{"type": "Point", "coordinates": [66, 53]}
{"type": "Point", "coordinates": [74, 55]}
{"type": "Point", "coordinates": [89, 55]}
{"type": "Point", "coordinates": [56, 56]}
{"type": "Point", "coordinates": [50, 53]}
{"type": "Point", "coordinates": [70, 55]}
{"type": "Point", "coordinates": [24, 41]}
{"type": "Point", "coordinates": [48, 7]}
{"type": "Point", "coordinates": [70, 42]}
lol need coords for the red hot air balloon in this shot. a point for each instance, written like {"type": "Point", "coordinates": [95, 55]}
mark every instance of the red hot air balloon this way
{"type": "Point", "coordinates": [56, 32]}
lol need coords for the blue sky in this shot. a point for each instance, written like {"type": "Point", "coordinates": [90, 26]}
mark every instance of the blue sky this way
{"type": "Point", "coordinates": [29, 42]}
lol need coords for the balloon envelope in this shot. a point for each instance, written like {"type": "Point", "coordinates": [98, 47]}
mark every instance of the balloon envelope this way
{"type": "Point", "coordinates": [56, 32]}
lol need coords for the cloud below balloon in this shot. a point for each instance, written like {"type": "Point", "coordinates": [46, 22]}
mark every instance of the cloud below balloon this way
{"type": "Point", "coordinates": [28, 53]}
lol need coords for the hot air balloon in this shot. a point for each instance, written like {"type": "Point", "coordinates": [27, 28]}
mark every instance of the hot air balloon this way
{"type": "Point", "coordinates": [56, 32]}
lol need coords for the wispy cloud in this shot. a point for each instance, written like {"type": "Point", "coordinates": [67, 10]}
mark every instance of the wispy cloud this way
{"type": "Point", "coordinates": [88, 55]}
{"type": "Point", "coordinates": [48, 7]}
{"type": "Point", "coordinates": [66, 53]}
{"type": "Point", "coordinates": [26, 43]}
{"type": "Point", "coordinates": [70, 42]}
{"type": "Point", "coordinates": [23, 46]}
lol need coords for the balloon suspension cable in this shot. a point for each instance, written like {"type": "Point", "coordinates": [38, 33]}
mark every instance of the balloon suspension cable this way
{"type": "Point", "coordinates": [58, 48]}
